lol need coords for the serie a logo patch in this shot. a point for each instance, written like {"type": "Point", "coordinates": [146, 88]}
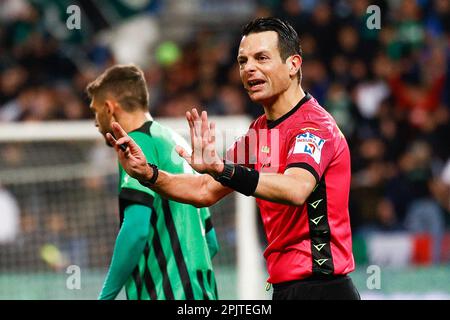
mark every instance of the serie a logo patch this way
{"type": "Point", "coordinates": [310, 144]}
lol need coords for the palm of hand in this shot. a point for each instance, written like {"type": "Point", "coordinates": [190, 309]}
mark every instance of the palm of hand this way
{"type": "Point", "coordinates": [204, 158]}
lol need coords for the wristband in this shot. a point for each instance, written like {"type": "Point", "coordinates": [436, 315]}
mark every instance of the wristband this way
{"type": "Point", "coordinates": [152, 180]}
{"type": "Point", "coordinates": [239, 178]}
{"type": "Point", "coordinates": [227, 173]}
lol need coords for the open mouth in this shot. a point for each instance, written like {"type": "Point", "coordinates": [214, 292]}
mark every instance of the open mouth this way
{"type": "Point", "coordinates": [255, 84]}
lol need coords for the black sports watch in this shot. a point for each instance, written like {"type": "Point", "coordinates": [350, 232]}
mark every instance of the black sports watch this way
{"type": "Point", "coordinates": [227, 173]}
{"type": "Point", "coordinates": [152, 180]}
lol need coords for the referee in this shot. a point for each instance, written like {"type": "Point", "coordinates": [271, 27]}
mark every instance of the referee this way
{"type": "Point", "coordinates": [294, 160]}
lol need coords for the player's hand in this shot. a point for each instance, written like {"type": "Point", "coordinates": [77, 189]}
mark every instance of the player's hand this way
{"type": "Point", "coordinates": [130, 154]}
{"type": "Point", "coordinates": [204, 158]}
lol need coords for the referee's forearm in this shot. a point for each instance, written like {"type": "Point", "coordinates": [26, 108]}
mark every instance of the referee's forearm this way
{"type": "Point", "coordinates": [185, 188]}
{"type": "Point", "coordinates": [281, 188]}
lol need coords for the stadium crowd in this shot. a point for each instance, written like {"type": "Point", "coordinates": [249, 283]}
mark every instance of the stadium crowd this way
{"type": "Point", "coordinates": [387, 88]}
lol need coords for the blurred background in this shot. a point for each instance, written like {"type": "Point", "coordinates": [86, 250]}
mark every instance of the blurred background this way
{"type": "Point", "coordinates": [388, 89]}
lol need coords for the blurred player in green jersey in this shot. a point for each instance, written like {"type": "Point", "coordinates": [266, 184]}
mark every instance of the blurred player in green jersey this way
{"type": "Point", "coordinates": [164, 248]}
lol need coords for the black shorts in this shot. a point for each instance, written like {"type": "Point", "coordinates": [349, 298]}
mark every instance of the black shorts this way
{"type": "Point", "coordinates": [317, 288]}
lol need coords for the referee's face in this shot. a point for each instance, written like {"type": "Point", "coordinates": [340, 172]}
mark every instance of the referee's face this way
{"type": "Point", "coordinates": [263, 73]}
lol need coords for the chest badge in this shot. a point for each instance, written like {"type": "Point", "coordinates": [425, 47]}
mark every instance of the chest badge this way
{"type": "Point", "coordinates": [265, 149]}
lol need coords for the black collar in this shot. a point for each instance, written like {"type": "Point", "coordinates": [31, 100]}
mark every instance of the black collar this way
{"type": "Point", "coordinates": [145, 128]}
{"type": "Point", "coordinates": [273, 123]}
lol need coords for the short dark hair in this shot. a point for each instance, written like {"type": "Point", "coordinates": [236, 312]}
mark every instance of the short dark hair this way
{"type": "Point", "coordinates": [288, 40]}
{"type": "Point", "coordinates": [126, 83]}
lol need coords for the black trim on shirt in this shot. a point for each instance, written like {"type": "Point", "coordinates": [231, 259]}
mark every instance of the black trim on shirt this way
{"type": "Point", "coordinates": [145, 128]}
{"type": "Point", "coordinates": [212, 283]}
{"type": "Point", "coordinates": [208, 224]}
{"type": "Point", "coordinates": [148, 280]}
{"type": "Point", "coordinates": [273, 123]}
{"type": "Point", "coordinates": [161, 259]}
{"type": "Point", "coordinates": [200, 279]}
{"type": "Point", "coordinates": [319, 231]}
{"type": "Point", "coordinates": [305, 166]}
{"type": "Point", "coordinates": [139, 197]}
{"type": "Point", "coordinates": [178, 253]}
{"type": "Point", "coordinates": [137, 282]}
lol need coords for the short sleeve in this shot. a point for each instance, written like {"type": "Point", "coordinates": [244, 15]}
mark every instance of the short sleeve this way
{"type": "Point", "coordinates": [311, 150]}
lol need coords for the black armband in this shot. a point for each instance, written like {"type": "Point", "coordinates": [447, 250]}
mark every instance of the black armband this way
{"type": "Point", "coordinates": [239, 178]}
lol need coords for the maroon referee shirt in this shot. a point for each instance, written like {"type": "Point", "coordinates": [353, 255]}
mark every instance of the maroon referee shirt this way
{"type": "Point", "coordinates": [314, 238]}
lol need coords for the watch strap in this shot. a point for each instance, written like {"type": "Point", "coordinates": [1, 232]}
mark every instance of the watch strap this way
{"type": "Point", "coordinates": [154, 177]}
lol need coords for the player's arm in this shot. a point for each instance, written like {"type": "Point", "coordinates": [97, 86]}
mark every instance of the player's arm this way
{"type": "Point", "coordinates": [292, 187]}
{"type": "Point", "coordinates": [130, 244]}
{"type": "Point", "coordinates": [198, 190]}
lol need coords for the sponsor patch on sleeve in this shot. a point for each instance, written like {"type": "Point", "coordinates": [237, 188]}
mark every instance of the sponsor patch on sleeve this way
{"type": "Point", "coordinates": [309, 144]}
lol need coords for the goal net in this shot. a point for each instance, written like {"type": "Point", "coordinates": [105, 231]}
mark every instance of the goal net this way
{"type": "Point", "coordinates": [59, 214]}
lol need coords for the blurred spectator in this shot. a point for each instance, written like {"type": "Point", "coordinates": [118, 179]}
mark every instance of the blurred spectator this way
{"type": "Point", "coordinates": [317, 80]}
{"type": "Point", "coordinates": [293, 12]}
{"type": "Point", "coordinates": [63, 245]}
{"type": "Point", "coordinates": [438, 19]}
{"type": "Point", "coordinates": [370, 93]}
{"type": "Point", "coordinates": [12, 81]}
{"type": "Point", "coordinates": [423, 214]}
{"type": "Point", "coordinates": [426, 216]}
{"type": "Point", "coordinates": [232, 100]}
{"type": "Point", "coordinates": [339, 104]}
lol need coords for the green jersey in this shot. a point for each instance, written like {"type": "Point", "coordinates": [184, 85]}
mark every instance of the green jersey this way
{"type": "Point", "coordinates": [176, 261]}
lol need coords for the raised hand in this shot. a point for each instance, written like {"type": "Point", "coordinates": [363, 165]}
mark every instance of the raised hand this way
{"type": "Point", "coordinates": [204, 158]}
{"type": "Point", "coordinates": [129, 153]}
